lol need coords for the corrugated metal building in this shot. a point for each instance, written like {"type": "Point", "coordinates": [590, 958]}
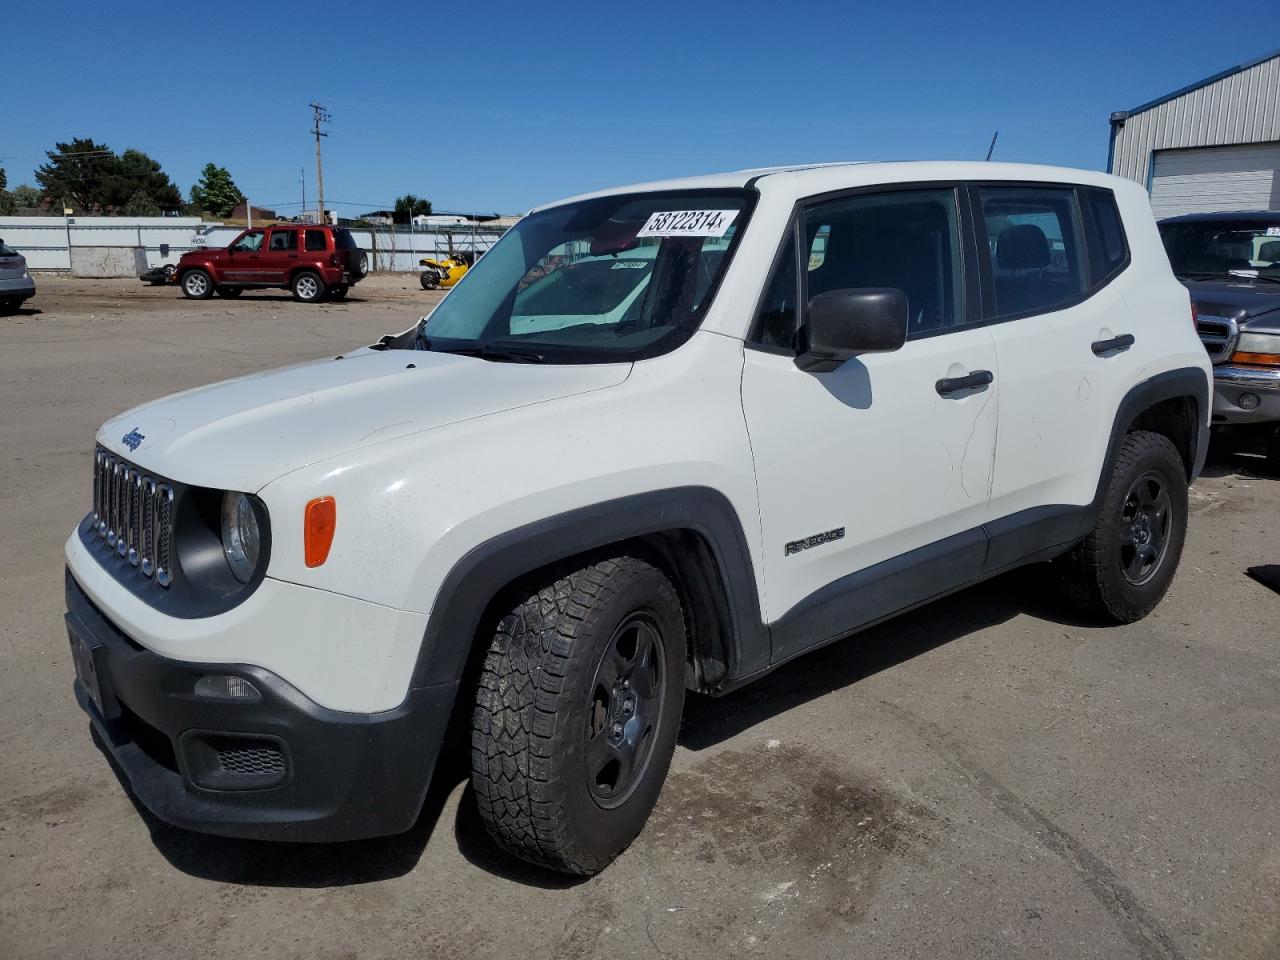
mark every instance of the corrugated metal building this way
{"type": "Point", "coordinates": [1214, 145]}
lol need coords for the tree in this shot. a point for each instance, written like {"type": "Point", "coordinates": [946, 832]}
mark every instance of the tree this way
{"type": "Point", "coordinates": [87, 175]}
{"type": "Point", "coordinates": [409, 206]}
{"type": "Point", "coordinates": [141, 205]}
{"type": "Point", "coordinates": [25, 196]}
{"type": "Point", "coordinates": [215, 192]}
{"type": "Point", "coordinates": [7, 203]}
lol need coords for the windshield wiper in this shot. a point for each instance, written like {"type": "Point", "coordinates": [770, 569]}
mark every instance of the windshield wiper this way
{"type": "Point", "coordinates": [1255, 275]}
{"type": "Point", "coordinates": [488, 352]}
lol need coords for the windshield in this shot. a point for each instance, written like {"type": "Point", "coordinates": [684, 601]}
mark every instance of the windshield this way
{"type": "Point", "coordinates": [599, 281]}
{"type": "Point", "coordinates": [1208, 249]}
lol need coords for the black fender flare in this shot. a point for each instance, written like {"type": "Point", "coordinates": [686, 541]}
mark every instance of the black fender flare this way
{"type": "Point", "coordinates": [473, 582]}
{"type": "Point", "coordinates": [1189, 382]}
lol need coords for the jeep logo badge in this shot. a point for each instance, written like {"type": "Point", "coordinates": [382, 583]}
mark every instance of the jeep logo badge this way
{"type": "Point", "coordinates": [133, 439]}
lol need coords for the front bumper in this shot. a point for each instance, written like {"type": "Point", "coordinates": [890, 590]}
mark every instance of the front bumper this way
{"type": "Point", "coordinates": [17, 288]}
{"type": "Point", "coordinates": [279, 768]}
{"type": "Point", "coordinates": [1231, 382]}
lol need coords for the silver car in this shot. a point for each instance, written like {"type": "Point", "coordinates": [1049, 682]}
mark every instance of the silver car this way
{"type": "Point", "coordinates": [16, 284]}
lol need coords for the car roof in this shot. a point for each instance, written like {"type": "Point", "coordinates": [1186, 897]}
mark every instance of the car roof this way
{"type": "Point", "coordinates": [809, 179]}
{"type": "Point", "coordinates": [1232, 216]}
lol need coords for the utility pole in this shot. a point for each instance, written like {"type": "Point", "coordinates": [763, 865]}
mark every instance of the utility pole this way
{"type": "Point", "coordinates": [302, 178]}
{"type": "Point", "coordinates": [321, 116]}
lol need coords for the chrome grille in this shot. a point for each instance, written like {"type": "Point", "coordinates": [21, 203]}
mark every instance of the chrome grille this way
{"type": "Point", "coordinates": [1219, 336]}
{"type": "Point", "coordinates": [133, 513]}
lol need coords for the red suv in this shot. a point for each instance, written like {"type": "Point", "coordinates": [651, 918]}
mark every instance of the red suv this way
{"type": "Point", "coordinates": [314, 262]}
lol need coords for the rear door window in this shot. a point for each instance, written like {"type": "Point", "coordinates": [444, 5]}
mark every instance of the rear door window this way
{"type": "Point", "coordinates": [1034, 243]}
{"type": "Point", "coordinates": [283, 240]}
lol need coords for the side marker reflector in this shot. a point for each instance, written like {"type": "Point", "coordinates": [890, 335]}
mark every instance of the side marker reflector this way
{"type": "Point", "coordinates": [319, 522]}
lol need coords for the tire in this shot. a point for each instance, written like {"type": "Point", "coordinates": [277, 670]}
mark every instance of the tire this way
{"type": "Point", "coordinates": [307, 287]}
{"type": "Point", "coordinates": [230, 293]}
{"type": "Point", "coordinates": [339, 292]}
{"type": "Point", "coordinates": [577, 712]}
{"type": "Point", "coordinates": [9, 307]}
{"type": "Point", "coordinates": [364, 264]}
{"type": "Point", "coordinates": [429, 280]}
{"type": "Point", "coordinates": [1121, 570]}
{"type": "Point", "coordinates": [197, 285]}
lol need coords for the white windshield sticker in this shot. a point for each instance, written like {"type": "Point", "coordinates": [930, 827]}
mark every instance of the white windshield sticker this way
{"type": "Point", "coordinates": [688, 223]}
{"type": "Point", "coordinates": [1273, 231]}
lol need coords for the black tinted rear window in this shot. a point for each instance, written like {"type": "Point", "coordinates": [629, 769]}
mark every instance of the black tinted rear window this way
{"type": "Point", "coordinates": [344, 240]}
{"type": "Point", "coordinates": [7, 251]}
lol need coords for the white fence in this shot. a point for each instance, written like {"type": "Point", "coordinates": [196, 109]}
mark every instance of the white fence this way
{"type": "Point", "coordinates": [46, 242]}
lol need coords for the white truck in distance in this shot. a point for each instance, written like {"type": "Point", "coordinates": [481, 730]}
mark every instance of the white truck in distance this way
{"type": "Point", "coordinates": [659, 439]}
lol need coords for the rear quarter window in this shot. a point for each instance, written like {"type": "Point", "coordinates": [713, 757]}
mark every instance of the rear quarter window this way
{"type": "Point", "coordinates": [1108, 248]}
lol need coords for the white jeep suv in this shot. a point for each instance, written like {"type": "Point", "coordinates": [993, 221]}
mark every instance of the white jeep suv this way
{"type": "Point", "coordinates": [659, 439]}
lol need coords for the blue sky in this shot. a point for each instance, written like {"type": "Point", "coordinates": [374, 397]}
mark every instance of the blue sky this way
{"type": "Point", "coordinates": [500, 106]}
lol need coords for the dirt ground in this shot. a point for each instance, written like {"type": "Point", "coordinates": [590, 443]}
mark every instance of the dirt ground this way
{"type": "Point", "coordinates": [986, 777]}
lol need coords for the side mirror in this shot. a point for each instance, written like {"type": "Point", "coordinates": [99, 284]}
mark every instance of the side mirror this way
{"type": "Point", "coordinates": [841, 324]}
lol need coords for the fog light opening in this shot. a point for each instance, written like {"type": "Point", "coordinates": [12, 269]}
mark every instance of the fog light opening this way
{"type": "Point", "coordinates": [1248, 401]}
{"type": "Point", "coordinates": [221, 686]}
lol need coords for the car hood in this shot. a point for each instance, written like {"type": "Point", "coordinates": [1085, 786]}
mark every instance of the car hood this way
{"type": "Point", "coordinates": [1239, 300]}
{"type": "Point", "coordinates": [241, 434]}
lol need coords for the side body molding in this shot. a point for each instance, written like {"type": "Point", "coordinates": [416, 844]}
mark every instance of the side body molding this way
{"type": "Point", "coordinates": [473, 582]}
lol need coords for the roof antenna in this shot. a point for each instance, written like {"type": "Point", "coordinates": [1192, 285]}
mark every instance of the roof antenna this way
{"type": "Point", "coordinates": [991, 148]}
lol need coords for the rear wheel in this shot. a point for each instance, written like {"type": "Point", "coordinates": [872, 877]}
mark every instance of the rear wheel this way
{"type": "Point", "coordinates": [340, 291]}
{"type": "Point", "coordinates": [230, 292]}
{"type": "Point", "coordinates": [429, 280]}
{"type": "Point", "coordinates": [576, 714]}
{"type": "Point", "coordinates": [307, 287]}
{"type": "Point", "coordinates": [196, 285]}
{"type": "Point", "coordinates": [1124, 566]}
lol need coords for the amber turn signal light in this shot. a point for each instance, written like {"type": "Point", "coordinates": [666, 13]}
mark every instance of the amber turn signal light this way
{"type": "Point", "coordinates": [319, 522]}
{"type": "Point", "coordinates": [1256, 359]}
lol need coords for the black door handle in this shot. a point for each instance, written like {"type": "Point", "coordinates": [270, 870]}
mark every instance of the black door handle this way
{"type": "Point", "coordinates": [949, 385]}
{"type": "Point", "coordinates": [1114, 345]}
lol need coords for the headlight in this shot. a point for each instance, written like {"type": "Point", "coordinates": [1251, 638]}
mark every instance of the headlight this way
{"type": "Point", "coordinates": [1259, 349]}
{"type": "Point", "coordinates": [241, 538]}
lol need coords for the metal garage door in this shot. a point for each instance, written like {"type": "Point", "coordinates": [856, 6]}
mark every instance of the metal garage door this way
{"type": "Point", "coordinates": [1216, 178]}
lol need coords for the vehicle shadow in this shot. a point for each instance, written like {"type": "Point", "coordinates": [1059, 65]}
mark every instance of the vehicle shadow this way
{"type": "Point", "coordinates": [707, 721]}
{"type": "Point", "coordinates": [284, 296]}
{"type": "Point", "coordinates": [22, 312]}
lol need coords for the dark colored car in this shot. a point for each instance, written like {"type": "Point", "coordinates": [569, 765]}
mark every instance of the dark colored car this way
{"type": "Point", "coordinates": [16, 285]}
{"type": "Point", "coordinates": [1231, 264]}
{"type": "Point", "coordinates": [314, 261]}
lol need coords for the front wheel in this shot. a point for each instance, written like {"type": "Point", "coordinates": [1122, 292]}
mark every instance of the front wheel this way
{"type": "Point", "coordinates": [197, 285]}
{"type": "Point", "coordinates": [429, 280]}
{"type": "Point", "coordinates": [576, 714]}
{"type": "Point", "coordinates": [1124, 566]}
{"type": "Point", "coordinates": [307, 287]}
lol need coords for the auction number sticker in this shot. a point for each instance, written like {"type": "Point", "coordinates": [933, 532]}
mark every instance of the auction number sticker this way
{"type": "Point", "coordinates": [688, 223]}
{"type": "Point", "coordinates": [1273, 231]}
